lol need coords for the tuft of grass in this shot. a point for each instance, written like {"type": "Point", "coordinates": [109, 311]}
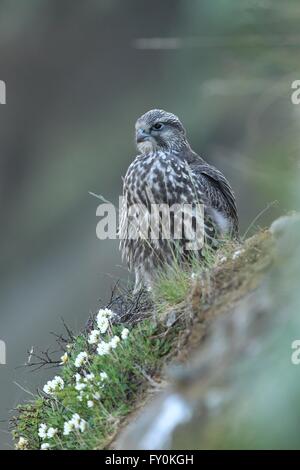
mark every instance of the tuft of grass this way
{"type": "Point", "coordinates": [173, 284]}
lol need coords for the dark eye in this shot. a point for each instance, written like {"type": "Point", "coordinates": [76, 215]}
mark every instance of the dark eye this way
{"type": "Point", "coordinates": [158, 126]}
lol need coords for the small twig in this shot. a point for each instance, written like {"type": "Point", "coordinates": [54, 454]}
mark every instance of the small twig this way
{"type": "Point", "coordinates": [99, 196]}
{"type": "Point", "coordinates": [43, 359]}
{"type": "Point", "coordinates": [24, 389]}
{"type": "Point", "coordinates": [271, 204]}
{"type": "Point", "coordinates": [69, 332]}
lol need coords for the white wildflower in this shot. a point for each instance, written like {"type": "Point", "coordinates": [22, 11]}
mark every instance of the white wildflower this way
{"type": "Point", "coordinates": [75, 420]}
{"type": "Point", "coordinates": [90, 404]}
{"type": "Point", "coordinates": [22, 444]}
{"type": "Point", "coordinates": [47, 389]}
{"type": "Point", "coordinates": [114, 342]}
{"type": "Point", "coordinates": [89, 377]}
{"type": "Point", "coordinates": [82, 425]}
{"type": "Point", "coordinates": [64, 359]}
{"type": "Point", "coordinates": [74, 423]}
{"type": "Point", "coordinates": [77, 377]}
{"type": "Point", "coordinates": [93, 337]}
{"type": "Point", "coordinates": [80, 386]}
{"type": "Point", "coordinates": [96, 396]}
{"type": "Point", "coordinates": [104, 313]}
{"type": "Point", "coordinates": [68, 428]}
{"type": "Point", "coordinates": [58, 382]}
{"type": "Point", "coordinates": [125, 333]}
{"type": "Point", "coordinates": [54, 385]}
{"type": "Point", "coordinates": [81, 359]}
{"type": "Point", "coordinates": [103, 324]}
{"type": "Point", "coordinates": [45, 446]}
{"type": "Point", "coordinates": [51, 432]}
{"type": "Point", "coordinates": [42, 433]}
{"type": "Point", "coordinates": [103, 348]}
{"type": "Point", "coordinates": [103, 376]}
{"type": "Point", "coordinates": [103, 317]}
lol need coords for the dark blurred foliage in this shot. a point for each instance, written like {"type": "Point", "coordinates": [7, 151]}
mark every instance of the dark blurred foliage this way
{"type": "Point", "coordinates": [78, 74]}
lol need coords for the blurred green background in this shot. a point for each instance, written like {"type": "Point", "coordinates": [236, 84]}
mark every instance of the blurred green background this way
{"type": "Point", "coordinates": [78, 74]}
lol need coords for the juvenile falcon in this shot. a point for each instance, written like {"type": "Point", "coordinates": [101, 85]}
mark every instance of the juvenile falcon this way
{"type": "Point", "coordinates": [168, 173]}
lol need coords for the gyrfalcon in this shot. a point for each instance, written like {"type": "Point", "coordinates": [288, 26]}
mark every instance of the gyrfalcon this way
{"type": "Point", "coordinates": [168, 173]}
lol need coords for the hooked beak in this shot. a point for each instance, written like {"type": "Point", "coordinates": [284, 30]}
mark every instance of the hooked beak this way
{"type": "Point", "coordinates": [142, 135]}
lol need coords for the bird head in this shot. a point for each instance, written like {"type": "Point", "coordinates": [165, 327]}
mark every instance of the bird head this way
{"type": "Point", "coordinates": [159, 130]}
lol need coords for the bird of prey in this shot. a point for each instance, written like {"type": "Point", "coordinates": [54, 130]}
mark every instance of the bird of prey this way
{"type": "Point", "coordinates": [168, 172]}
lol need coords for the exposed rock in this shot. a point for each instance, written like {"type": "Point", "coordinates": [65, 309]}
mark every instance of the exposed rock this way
{"type": "Point", "coordinates": [231, 392]}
